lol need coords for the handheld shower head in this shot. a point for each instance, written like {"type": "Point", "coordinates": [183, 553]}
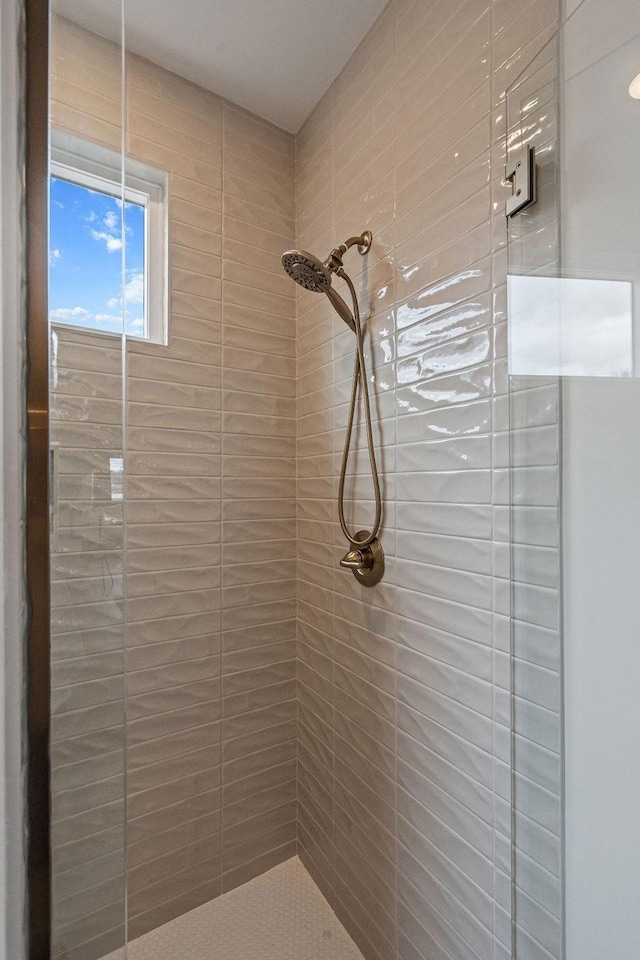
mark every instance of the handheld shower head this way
{"type": "Point", "coordinates": [365, 557]}
{"type": "Point", "coordinates": [307, 270]}
{"type": "Point", "coordinates": [314, 275]}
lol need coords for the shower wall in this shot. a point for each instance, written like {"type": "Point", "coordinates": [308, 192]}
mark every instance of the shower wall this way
{"type": "Point", "coordinates": [404, 690]}
{"type": "Point", "coordinates": [209, 585]}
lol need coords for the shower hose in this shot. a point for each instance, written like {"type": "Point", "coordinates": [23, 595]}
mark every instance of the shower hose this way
{"type": "Point", "coordinates": [359, 377]}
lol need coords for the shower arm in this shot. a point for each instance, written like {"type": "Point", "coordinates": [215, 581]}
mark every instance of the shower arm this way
{"type": "Point", "coordinates": [359, 377]}
{"type": "Point", "coordinates": [362, 242]}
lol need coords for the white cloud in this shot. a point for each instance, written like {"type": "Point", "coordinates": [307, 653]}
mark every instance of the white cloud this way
{"type": "Point", "coordinates": [133, 292]}
{"type": "Point", "coordinates": [136, 326]}
{"type": "Point", "coordinates": [134, 289]}
{"type": "Point", "coordinates": [54, 256]}
{"type": "Point", "coordinates": [111, 232]}
{"type": "Point", "coordinates": [69, 315]}
{"type": "Point", "coordinates": [81, 317]}
{"type": "Point", "coordinates": [113, 243]}
{"type": "Point", "coordinates": [112, 221]}
{"type": "Point", "coordinates": [107, 319]}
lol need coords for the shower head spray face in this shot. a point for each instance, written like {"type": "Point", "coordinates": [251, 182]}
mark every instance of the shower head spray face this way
{"type": "Point", "coordinates": [307, 270]}
{"type": "Point", "coordinates": [314, 275]}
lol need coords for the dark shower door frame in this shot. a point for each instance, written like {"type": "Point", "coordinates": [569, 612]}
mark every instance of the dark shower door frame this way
{"type": "Point", "coordinates": [38, 684]}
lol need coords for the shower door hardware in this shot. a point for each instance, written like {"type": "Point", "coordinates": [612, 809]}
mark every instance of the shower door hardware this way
{"type": "Point", "coordinates": [521, 172]}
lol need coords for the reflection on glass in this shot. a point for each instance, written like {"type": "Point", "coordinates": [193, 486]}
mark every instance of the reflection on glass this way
{"type": "Point", "coordinates": [116, 469]}
{"type": "Point", "coordinates": [569, 327]}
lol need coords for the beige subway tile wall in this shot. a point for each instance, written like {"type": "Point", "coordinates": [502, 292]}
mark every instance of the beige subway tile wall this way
{"type": "Point", "coordinates": [209, 622]}
{"type": "Point", "coordinates": [173, 518]}
{"type": "Point", "coordinates": [87, 646]}
{"type": "Point", "coordinates": [258, 502]}
{"type": "Point", "coordinates": [404, 707]}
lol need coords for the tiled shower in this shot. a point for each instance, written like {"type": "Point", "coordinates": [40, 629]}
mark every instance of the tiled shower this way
{"type": "Point", "coordinates": [265, 705]}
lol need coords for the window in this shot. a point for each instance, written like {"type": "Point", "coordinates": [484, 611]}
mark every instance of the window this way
{"type": "Point", "coordinates": [107, 258]}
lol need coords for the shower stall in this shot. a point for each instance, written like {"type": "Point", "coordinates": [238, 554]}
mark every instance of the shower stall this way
{"type": "Point", "coordinates": [339, 657]}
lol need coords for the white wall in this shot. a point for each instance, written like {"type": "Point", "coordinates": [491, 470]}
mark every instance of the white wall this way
{"type": "Point", "coordinates": [11, 487]}
{"type": "Point", "coordinates": [601, 502]}
{"type": "Point", "coordinates": [602, 721]}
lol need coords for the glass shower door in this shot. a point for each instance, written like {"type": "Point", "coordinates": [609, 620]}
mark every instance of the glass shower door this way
{"type": "Point", "coordinates": [87, 534]}
{"type": "Point", "coordinates": [574, 264]}
{"type": "Point", "coordinates": [534, 386]}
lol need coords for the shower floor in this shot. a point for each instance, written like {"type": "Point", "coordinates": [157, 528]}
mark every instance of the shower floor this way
{"type": "Point", "coordinates": [280, 915]}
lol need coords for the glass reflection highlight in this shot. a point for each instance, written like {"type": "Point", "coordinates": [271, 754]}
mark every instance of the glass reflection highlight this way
{"type": "Point", "coordinates": [570, 327]}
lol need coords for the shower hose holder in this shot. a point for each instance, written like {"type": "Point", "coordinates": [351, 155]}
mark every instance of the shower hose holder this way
{"type": "Point", "coordinates": [366, 563]}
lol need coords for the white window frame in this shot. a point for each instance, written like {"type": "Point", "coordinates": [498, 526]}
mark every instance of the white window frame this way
{"type": "Point", "coordinates": [98, 168]}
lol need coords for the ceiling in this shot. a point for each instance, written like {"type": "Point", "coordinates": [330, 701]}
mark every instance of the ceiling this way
{"type": "Point", "coordinates": [273, 57]}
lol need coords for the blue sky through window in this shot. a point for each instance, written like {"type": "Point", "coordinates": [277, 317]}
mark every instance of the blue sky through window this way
{"type": "Point", "coordinates": [85, 259]}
